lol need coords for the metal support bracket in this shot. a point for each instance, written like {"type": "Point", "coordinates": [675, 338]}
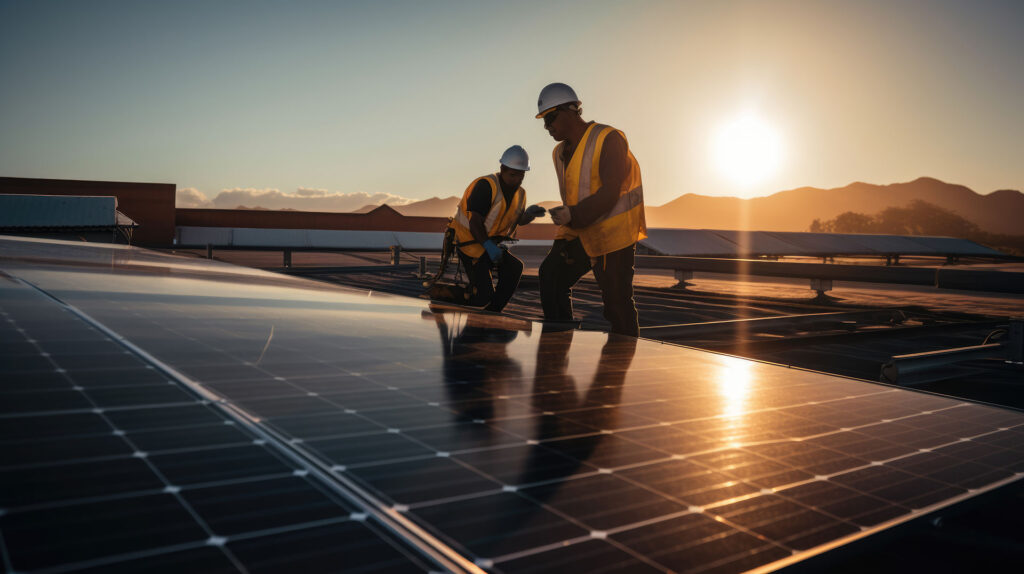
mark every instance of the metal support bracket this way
{"type": "Point", "coordinates": [682, 277]}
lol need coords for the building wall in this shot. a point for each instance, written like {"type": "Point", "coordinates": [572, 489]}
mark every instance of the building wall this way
{"type": "Point", "coordinates": [151, 205]}
{"type": "Point", "coordinates": [383, 218]}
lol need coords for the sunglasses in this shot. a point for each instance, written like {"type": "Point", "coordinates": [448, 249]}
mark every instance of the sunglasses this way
{"type": "Point", "coordinates": [550, 117]}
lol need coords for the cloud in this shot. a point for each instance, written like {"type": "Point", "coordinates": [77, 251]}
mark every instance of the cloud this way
{"type": "Point", "coordinates": [191, 197]}
{"type": "Point", "coordinates": [302, 199]}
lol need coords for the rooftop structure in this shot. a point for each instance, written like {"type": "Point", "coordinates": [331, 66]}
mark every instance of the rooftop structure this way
{"type": "Point", "coordinates": [96, 217]}
{"type": "Point", "coordinates": [151, 205]}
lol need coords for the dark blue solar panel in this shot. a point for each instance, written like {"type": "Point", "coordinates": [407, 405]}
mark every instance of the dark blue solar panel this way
{"type": "Point", "coordinates": [111, 466]}
{"type": "Point", "coordinates": [521, 449]}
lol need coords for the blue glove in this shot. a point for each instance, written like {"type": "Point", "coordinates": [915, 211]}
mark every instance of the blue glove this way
{"type": "Point", "coordinates": [492, 251]}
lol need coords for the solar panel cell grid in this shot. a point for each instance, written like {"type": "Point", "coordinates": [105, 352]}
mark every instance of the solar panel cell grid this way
{"type": "Point", "coordinates": [112, 467]}
{"type": "Point", "coordinates": [521, 448]}
{"type": "Point", "coordinates": [580, 440]}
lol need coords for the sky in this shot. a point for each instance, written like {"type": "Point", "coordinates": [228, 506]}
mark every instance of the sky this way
{"type": "Point", "coordinates": [334, 105]}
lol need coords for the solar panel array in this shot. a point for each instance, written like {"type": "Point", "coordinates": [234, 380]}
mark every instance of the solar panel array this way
{"type": "Point", "coordinates": [246, 237]}
{"type": "Point", "coordinates": [679, 242]}
{"type": "Point", "coordinates": [522, 449]}
{"type": "Point", "coordinates": [730, 243]}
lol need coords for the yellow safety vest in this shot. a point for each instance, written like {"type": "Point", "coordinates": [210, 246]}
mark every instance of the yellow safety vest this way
{"type": "Point", "coordinates": [625, 224]}
{"type": "Point", "coordinates": [501, 220]}
{"type": "Point", "coordinates": [564, 231]}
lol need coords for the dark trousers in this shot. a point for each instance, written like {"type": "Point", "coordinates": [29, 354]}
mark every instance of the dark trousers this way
{"type": "Point", "coordinates": [561, 269]}
{"type": "Point", "coordinates": [614, 274]}
{"type": "Point", "coordinates": [509, 271]}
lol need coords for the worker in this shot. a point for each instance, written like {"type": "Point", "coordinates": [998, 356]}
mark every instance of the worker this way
{"type": "Point", "coordinates": [492, 207]}
{"type": "Point", "coordinates": [602, 213]}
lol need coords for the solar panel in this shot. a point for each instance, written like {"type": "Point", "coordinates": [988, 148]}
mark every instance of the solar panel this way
{"type": "Point", "coordinates": [690, 242]}
{"type": "Point", "coordinates": [954, 246]}
{"type": "Point", "coordinates": [520, 448]}
{"type": "Point", "coordinates": [728, 243]}
{"type": "Point", "coordinates": [889, 244]}
{"type": "Point", "coordinates": [759, 242]}
{"type": "Point", "coordinates": [48, 211]}
{"type": "Point", "coordinates": [109, 465]}
{"type": "Point", "coordinates": [828, 243]}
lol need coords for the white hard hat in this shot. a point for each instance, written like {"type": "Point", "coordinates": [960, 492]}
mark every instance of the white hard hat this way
{"type": "Point", "coordinates": [555, 95]}
{"type": "Point", "coordinates": [515, 157]}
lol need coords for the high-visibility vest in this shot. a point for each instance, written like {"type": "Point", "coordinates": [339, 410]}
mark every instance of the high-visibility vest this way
{"type": "Point", "coordinates": [501, 220]}
{"type": "Point", "coordinates": [563, 231]}
{"type": "Point", "coordinates": [625, 224]}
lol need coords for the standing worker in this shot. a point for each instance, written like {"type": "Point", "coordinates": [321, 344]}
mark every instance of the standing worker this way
{"type": "Point", "coordinates": [602, 216]}
{"type": "Point", "coordinates": [491, 209]}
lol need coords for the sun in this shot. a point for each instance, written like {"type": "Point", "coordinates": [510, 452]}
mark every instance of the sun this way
{"type": "Point", "coordinates": [747, 150]}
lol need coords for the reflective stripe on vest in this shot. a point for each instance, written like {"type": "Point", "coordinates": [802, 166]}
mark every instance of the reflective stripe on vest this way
{"type": "Point", "coordinates": [501, 220]}
{"type": "Point", "coordinates": [625, 223]}
{"type": "Point", "coordinates": [563, 231]}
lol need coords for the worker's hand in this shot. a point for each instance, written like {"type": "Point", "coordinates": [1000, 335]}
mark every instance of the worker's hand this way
{"type": "Point", "coordinates": [560, 215]}
{"type": "Point", "coordinates": [535, 211]}
{"type": "Point", "coordinates": [493, 251]}
{"type": "Point", "coordinates": [531, 213]}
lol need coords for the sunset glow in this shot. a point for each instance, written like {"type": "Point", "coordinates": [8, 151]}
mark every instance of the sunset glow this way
{"type": "Point", "coordinates": [363, 103]}
{"type": "Point", "coordinates": [746, 150]}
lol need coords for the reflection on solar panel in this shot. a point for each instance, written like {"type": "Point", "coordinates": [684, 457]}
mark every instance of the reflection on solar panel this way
{"type": "Point", "coordinates": [518, 448]}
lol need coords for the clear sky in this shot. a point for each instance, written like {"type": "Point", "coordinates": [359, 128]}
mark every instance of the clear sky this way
{"type": "Point", "coordinates": [414, 99]}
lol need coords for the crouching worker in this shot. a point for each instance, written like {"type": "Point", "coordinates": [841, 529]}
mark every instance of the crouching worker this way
{"type": "Point", "coordinates": [491, 209]}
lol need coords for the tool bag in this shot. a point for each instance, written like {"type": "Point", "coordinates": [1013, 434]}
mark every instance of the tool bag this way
{"type": "Point", "coordinates": [458, 290]}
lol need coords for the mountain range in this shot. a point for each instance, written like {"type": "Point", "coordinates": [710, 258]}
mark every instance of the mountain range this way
{"type": "Point", "coordinates": [794, 209]}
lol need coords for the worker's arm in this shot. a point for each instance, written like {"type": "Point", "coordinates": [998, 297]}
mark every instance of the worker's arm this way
{"type": "Point", "coordinates": [479, 204]}
{"type": "Point", "coordinates": [613, 168]}
{"type": "Point", "coordinates": [477, 228]}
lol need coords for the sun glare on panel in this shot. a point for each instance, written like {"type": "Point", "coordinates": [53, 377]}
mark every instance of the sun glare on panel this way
{"type": "Point", "coordinates": [747, 150]}
{"type": "Point", "coordinates": [734, 380]}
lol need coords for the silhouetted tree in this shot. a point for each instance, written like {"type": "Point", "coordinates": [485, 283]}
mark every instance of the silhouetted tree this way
{"type": "Point", "coordinates": [923, 218]}
{"type": "Point", "coordinates": [918, 218]}
{"type": "Point", "coordinates": [852, 222]}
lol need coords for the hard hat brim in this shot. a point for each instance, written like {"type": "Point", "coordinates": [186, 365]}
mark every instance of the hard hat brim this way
{"type": "Point", "coordinates": [552, 108]}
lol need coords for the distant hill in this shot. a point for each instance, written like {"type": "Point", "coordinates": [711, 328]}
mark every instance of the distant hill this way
{"type": "Point", "coordinates": [436, 207]}
{"type": "Point", "coordinates": [795, 209]}
{"type": "Point", "coordinates": [433, 207]}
